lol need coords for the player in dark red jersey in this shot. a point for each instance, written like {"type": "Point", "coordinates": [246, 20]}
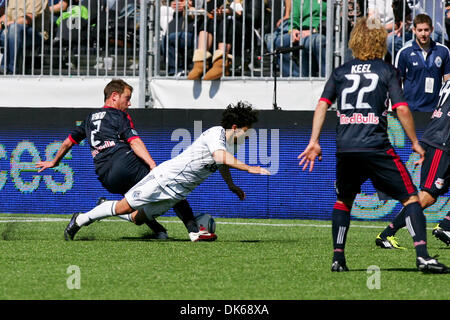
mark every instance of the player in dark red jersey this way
{"type": "Point", "coordinates": [361, 88]}
{"type": "Point", "coordinates": [434, 174]}
{"type": "Point", "coordinates": [121, 158]}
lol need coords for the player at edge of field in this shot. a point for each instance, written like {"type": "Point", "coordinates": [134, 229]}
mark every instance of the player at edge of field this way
{"type": "Point", "coordinates": [360, 88]}
{"type": "Point", "coordinates": [434, 173]}
{"type": "Point", "coordinates": [121, 158]}
{"type": "Point", "coordinates": [172, 180]}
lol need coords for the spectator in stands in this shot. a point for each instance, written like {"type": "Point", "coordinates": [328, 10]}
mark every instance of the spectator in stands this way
{"type": "Point", "coordinates": [225, 22]}
{"type": "Point", "coordinates": [57, 6]}
{"type": "Point", "coordinates": [383, 10]}
{"type": "Point", "coordinates": [166, 13]}
{"type": "Point", "coordinates": [281, 13]}
{"type": "Point", "coordinates": [447, 21]}
{"type": "Point", "coordinates": [422, 64]}
{"type": "Point", "coordinates": [19, 18]}
{"type": "Point", "coordinates": [180, 36]}
{"type": "Point", "coordinates": [2, 7]}
{"type": "Point", "coordinates": [402, 31]}
{"type": "Point", "coordinates": [356, 9]}
{"type": "Point", "coordinates": [306, 27]}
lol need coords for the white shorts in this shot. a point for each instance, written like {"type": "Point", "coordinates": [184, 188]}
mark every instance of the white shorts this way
{"type": "Point", "coordinates": [150, 196]}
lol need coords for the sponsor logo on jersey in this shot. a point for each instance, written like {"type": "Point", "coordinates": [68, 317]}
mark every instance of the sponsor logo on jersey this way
{"type": "Point", "coordinates": [107, 144]}
{"type": "Point", "coordinates": [359, 118]}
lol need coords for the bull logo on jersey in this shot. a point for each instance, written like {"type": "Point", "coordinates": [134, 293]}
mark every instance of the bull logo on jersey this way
{"type": "Point", "coordinates": [437, 113]}
{"type": "Point", "coordinates": [439, 183]}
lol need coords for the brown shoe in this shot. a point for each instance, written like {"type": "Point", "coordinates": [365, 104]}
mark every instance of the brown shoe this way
{"type": "Point", "coordinates": [200, 57]}
{"type": "Point", "coordinates": [216, 70]}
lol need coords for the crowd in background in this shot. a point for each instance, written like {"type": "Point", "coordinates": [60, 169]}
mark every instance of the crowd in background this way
{"type": "Point", "coordinates": [31, 26]}
{"type": "Point", "coordinates": [205, 39]}
{"type": "Point", "coordinates": [191, 48]}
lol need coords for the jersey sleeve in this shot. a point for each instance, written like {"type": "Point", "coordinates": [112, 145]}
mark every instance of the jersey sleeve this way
{"type": "Point", "coordinates": [400, 64]}
{"type": "Point", "coordinates": [215, 139]}
{"type": "Point", "coordinates": [127, 132]}
{"type": "Point", "coordinates": [78, 134]}
{"type": "Point", "coordinates": [329, 91]}
{"type": "Point", "coordinates": [395, 89]}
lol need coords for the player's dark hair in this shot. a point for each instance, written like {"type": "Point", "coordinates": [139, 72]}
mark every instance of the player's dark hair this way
{"type": "Point", "coordinates": [241, 114]}
{"type": "Point", "coordinates": [116, 85]}
{"type": "Point", "coordinates": [422, 18]}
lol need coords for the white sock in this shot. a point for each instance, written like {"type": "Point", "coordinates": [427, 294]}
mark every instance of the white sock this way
{"type": "Point", "coordinates": [104, 210]}
{"type": "Point", "coordinates": [126, 217]}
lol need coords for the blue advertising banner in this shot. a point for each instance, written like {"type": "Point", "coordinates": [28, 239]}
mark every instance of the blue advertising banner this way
{"type": "Point", "coordinates": [29, 135]}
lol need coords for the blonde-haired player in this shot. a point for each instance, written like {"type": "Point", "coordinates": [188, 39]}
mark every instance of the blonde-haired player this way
{"type": "Point", "coordinates": [360, 88]}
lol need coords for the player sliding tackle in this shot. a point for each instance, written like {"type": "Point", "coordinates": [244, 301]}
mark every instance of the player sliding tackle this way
{"type": "Point", "coordinates": [360, 88]}
{"type": "Point", "coordinates": [173, 180]}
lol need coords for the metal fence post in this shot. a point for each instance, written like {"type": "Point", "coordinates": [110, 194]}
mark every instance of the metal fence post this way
{"type": "Point", "coordinates": [329, 34]}
{"type": "Point", "coordinates": [142, 54]}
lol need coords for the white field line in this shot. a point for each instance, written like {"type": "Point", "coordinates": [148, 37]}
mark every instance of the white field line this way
{"type": "Point", "coordinates": [25, 219]}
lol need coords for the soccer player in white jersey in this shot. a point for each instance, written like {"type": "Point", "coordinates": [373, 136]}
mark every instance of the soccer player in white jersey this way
{"type": "Point", "coordinates": [173, 180]}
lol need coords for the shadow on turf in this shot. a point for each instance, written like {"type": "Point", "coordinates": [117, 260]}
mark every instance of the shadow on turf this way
{"type": "Point", "coordinates": [8, 232]}
{"type": "Point", "coordinates": [146, 238]}
{"type": "Point", "coordinates": [387, 269]}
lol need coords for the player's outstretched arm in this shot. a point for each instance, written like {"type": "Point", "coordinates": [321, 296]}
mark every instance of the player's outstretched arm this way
{"type": "Point", "coordinates": [313, 150]}
{"type": "Point", "coordinates": [226, 175]}
{"type": "Point", "coordinates": [407, 121]}
{"type": "Point", "coordinates": [224, 157]}
{"type": "Point", "coordinates": [65, 147]}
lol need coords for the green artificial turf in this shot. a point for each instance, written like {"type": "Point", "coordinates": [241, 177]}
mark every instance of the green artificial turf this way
{"type": "Point", "coordinates": [251, 259]}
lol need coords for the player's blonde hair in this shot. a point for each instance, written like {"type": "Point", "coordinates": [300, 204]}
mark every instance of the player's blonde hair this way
{"type": "Point", "coordinates": [368, 39]}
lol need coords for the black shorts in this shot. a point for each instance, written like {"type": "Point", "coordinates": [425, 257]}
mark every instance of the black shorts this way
{"type": "Point", "coordinates": [435, 171]}
{"type": "Point", "coordinates": [122, 171]}
{"type": "Point", "coordinates": [384, 168]}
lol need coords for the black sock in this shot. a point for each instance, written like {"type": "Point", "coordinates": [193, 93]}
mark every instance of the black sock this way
{"type": "Point", "coordinates": [395, 225]}
{"type": "Point", "coordinates": [416, 224]}
{"type": "Point", "coordinates": [340, 224]}
{"type": "Point", "coordinates": [445, 223]}
{"type": "Point", "coordinates": [185, 213]}
{"type": "Point", "coordinates": [155, 226]}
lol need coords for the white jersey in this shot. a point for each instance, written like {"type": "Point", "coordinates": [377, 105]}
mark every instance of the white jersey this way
{"type": "Point", "coordinates": [182, 174]}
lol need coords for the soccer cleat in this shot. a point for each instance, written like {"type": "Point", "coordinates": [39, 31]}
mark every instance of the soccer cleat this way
{"type": "Point", "coordinates": [202, 235]}
{"type": "Point", "coordinates": [339, 266]}
{"type": "Point", "coordinates": [389, 242]}
{"type": "Point", "coordinates": [430, 265]}
{"type": "Point", "coordinates": [72, 228]}
{"type": "Point", "coordinates": [441, 234]}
